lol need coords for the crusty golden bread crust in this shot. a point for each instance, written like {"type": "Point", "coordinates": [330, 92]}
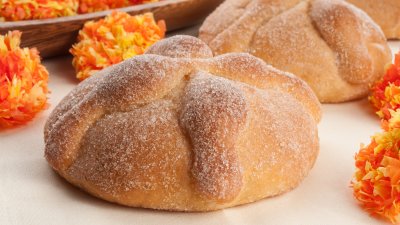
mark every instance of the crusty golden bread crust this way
{"type": "Point", "coordinates": [332, 45]}
{"type": "Point", "coordinates": [179, 129]}
{"type": "Point", "coordinates": [386, 13]}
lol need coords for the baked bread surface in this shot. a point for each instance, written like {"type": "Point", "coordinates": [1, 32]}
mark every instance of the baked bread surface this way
{"type": "Point", "coordinates": [332, 45]}
{"type": "Point", "coordinates": [386, 13]}
{"type": "Point", "coordinates": [178, 129]}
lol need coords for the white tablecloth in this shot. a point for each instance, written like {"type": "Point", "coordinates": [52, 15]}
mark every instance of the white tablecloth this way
{"type": "Point", "coordinates": [31, 193]}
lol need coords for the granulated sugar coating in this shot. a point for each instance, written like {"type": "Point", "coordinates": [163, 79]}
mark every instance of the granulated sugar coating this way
{"type": "Point", "coordinates": [386, 13]}
{"type": "Point", "coordinates": [181, 130]}
{"type": "Point", "coordinates": [332, 45]}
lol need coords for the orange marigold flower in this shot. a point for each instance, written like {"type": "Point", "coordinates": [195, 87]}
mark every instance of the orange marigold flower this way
{"type": "Point", "coordinates": [111, 40]}
{"type": "Point", "coordinates": [376, 182]}
{"type": "Point", "coordinates": [88, 6]}
{"type": "Point", "coordinates": [385, 94]}
{"type": "Point", "coordinates": [13, 10]}
{"type": "Point", "coordinates": [23, 81]}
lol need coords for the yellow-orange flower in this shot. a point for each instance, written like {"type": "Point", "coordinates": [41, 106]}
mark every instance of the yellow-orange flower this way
{"type": "Point", "coordinates": [111, 40]}
{"type": "Point", "coordinates": [13, 10]}
{"type": "Point", "coordinates": [88, 6]}
{"type": "Point", "coordinates": [23, 82]}
{"type": "Point", "coordinates": [376, 181]}
{"type": "Point", "coordinates": [385, 94]}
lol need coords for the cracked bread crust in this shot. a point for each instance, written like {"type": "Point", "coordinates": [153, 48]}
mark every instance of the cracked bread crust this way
{"type": "Point", "coordinates": [332, 45]}
{"type": "Point", "coordinates": [178, 129]}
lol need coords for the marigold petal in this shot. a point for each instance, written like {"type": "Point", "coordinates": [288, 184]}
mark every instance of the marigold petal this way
{"type": "Point", "coordinates": [13, 10]}
{"type": "Point", "coordinates": [113, 39]}
{"type": "Point", "coordinates": [23, 81]}
{"type": "Point", "coordinates": [385, 94]}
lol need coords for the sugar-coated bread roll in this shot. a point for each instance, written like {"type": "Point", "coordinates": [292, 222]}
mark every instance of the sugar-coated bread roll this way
{"type": "Point", "coordinates": [179, 129]}
{"type": "Point", "coordinates": [332, 45]}
{"type": "Point", "coordinates": [386, 13]}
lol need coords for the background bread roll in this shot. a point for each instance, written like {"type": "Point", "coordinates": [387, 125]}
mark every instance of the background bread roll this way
{"type": "Point", "coordinates": [386, 13]}
{"type": "Point", "coordinates": [179, 129]}
{"type": "Point", "coordinates": [332, 45]}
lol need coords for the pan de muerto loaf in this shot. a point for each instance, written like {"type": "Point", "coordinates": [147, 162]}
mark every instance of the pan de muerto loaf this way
{"type": "Point", "coordinates": [179, 129]}
{"type": "Point", "coordinates": [332, 45]}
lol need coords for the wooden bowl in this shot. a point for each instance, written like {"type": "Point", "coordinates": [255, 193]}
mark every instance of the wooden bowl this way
{"type": "Point", "coordinates": [55, 36]}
